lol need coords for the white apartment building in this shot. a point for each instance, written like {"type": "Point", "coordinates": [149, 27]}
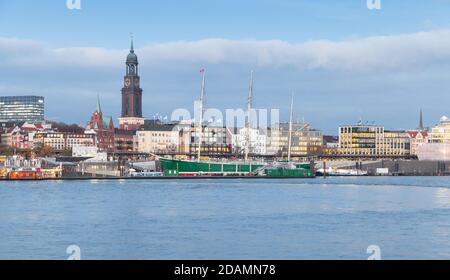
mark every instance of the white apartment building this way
{"type": "Point", "coordinates": [257, 141]}
{"type": "Point", "coordinates": [163, 138]}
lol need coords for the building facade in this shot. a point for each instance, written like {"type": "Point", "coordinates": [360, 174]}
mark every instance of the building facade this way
{"type": "Point", "coordinates": [441, 132]}
{"type": "Point", "coordinates": [22, 137]}
{"type": "Point", "coordinates": [21, 109]}
{"type": "Point", "coordinates": [60, 141]}
{"type": "Point", "coordinates": [159, 138]}
{"type": "Point", "coordinates": [434, 152]}
{"type": "Point", "coordinates": [305, 140]}
{"type": "Point", "coordinates": [418, 138]}
{"type": "Point", "coordinates": [215, 141]}
{"type": "Point", "coordinates": [373, 141]}
{"type": "Point", "coordinates": [254, 139]}
{"type": "Point", "coordinates": [125, 140]}
{"type": "Point", "coordinates": [438, 145]}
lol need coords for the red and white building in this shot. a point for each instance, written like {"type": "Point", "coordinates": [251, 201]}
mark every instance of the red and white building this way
{"type": "Point", "coordinates": [418, 138]}
{"type": "Point", "coordinates": [102, 129]}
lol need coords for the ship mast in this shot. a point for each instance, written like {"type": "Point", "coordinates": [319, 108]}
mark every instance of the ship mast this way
{"type": "Point", "coordinates": [249, 120]}
{"type": "Point", "coordinates": [290, 128]}
{"type": "Point", "coordinates": [200, 123]}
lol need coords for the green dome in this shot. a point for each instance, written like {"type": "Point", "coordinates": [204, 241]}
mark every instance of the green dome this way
{"type": "Point", "coordinates": [132, 58]}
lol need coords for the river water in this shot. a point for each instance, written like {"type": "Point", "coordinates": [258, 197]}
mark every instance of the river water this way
{"type": "Point", "coordinates": [333, 218]}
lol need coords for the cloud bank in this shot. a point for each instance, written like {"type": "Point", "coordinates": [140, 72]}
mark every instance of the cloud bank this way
{"type": "Point", "coordinates": [403, 52]}
{"type": "Point", "coordinates": [377, 78]}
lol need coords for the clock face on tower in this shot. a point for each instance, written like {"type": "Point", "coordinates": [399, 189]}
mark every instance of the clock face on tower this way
{"type": "Point", "coordinates": [136, 83]}
{"type": "Point", "coordinates": [127, 82]}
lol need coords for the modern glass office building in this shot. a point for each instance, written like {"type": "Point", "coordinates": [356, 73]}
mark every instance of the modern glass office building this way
{"type": "Point", "coordinates": [21, 109]}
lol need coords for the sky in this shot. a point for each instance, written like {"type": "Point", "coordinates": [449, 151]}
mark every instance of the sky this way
{"type": "Point", "coordinates": [342, 61]}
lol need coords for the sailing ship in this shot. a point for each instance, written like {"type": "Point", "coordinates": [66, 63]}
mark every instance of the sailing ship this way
{"type": "Point", "coordinates": [247, 168]}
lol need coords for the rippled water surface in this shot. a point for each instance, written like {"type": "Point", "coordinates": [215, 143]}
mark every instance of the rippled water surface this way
{"type": "Point", "coordinates": [335, 218]}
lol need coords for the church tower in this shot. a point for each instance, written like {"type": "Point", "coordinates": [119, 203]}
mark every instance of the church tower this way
{"type": "Point", "coordinates": [131, 118]}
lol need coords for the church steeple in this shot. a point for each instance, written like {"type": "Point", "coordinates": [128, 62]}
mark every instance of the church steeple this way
{"type": "Point", "coordinates": [421, 126]}
{"type": "Point", "coordinates": [99, 107]}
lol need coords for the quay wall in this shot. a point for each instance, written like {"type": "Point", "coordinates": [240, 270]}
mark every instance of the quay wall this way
{"type": "Point", "coordinates": [395, 168]}
{"type": "Point", "coordinates": [409, 167]}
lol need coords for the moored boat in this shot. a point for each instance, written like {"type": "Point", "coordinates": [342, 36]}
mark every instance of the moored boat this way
{"type": "Point", "coordinates": [133, 173]}
{"type": "Point", "coordinates": [341, 172]}
{"type": "Point", "coordinates": [24, 174]}
{"type": "Point", "coordinates": [186, 168]}
{"type": "Point", "coordinates": [290, 170]}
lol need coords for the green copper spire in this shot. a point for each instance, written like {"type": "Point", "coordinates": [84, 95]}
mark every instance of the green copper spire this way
{"type": "Point", "coordinates": [99, 107]}
{"type": "Point", "coordinates": [132, 58]}
{"type": "Point", "coordinates": [421, 125]}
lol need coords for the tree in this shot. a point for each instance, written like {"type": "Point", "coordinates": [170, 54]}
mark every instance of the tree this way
{"type": "Point", "coordinates": [67, 153]}
{"type": "Point", "coordinates": [6, 150]}
{"type": "Point", "coordinates": [27, 153]}
{"type": "Point", "coordinates": [62, 127]}
{"type": "Point", "coordinates": [42, 150]}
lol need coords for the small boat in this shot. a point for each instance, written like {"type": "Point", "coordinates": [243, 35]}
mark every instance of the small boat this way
{"type": "Point", "coordinates": [289, 170]}
{"type": "Point", "coordinates": [340, 172]}
{"type": "Point", "coordinates": [133, 173]}
{"type": "Point", "coordinates": [24, 174]}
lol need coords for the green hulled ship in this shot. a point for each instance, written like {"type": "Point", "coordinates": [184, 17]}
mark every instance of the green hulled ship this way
{"type": "Point", "coordinates": [185, 168]}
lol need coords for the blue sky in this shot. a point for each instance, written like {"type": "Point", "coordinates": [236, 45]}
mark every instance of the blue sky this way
{"type": "Point", "coordinates": [105, 22]}
{"type": "Point", "coordinates": [343, 61]}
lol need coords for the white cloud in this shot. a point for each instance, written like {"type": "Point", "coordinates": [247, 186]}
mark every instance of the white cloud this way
{"type": "Point", "coordinates": [397, 52]}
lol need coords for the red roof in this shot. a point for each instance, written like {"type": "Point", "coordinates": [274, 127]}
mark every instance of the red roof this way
{"type": "Point", "coordinates": [414, 134]}
{"type": "Point", "coordinates": [28, 128]}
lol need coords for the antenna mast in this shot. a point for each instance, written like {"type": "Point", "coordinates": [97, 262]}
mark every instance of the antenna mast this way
{"type": "Point", "coordinates": [249, 120]}
{"type": "Point", "coordinates": [200, 123]}
{"type": "Point", "coordinates": [290, 128]}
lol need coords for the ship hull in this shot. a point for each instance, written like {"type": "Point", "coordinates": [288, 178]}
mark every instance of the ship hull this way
{"type": "Point", "coordinates": [182, 168]}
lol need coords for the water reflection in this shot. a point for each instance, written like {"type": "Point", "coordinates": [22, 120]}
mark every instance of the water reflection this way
{"type": "Point", "coordinates": [442, 196]}
{"type": "Point", "coordinates": [250, 219]}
